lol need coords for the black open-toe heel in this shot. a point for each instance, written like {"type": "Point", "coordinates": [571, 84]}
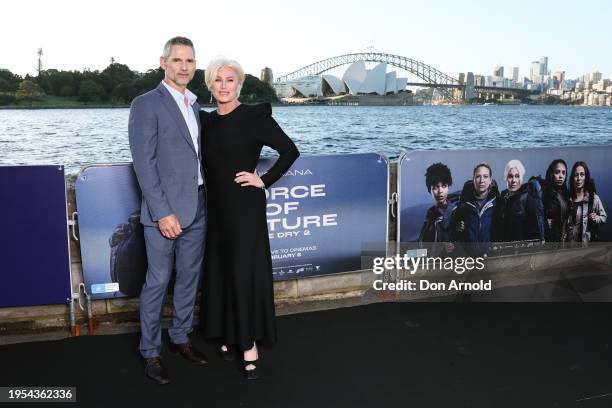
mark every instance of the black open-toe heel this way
{"type": "Point", "coordinates": [250, 374]}
{"type": "Point", "coordinates": [227, 355]}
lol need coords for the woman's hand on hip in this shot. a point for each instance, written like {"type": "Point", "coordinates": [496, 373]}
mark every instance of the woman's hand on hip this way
{"type": "Point", "coordinates": [244, 178]}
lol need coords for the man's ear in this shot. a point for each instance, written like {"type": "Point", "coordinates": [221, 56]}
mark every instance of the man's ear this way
{"type": "Point", "coordinates": [162, 63]}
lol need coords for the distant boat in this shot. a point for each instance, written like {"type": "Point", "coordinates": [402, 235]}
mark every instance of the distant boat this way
{"type": "Point", "coordinates": [488, 104]}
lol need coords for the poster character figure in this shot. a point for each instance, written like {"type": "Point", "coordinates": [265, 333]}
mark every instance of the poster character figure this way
{"type": "Point", "coordinates": [475, 211]}
{"type": "Point", "coordinates": [438, 225]}
{"type": "Point", "coordinates": [587, 210]}
{"type": "Point", "coordinates": [556, 202]}
{"type": "Point", "coordinates": [519, 214]}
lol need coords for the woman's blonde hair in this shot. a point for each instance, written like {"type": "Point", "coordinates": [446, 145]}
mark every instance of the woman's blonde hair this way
{"type": "Point", "coordinates": [222, 62]}
{"type": "Point", "coordinates": [515, 164]}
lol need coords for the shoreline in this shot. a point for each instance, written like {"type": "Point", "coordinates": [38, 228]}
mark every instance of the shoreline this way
{"type": "Point", "coordinates": [285, 105]}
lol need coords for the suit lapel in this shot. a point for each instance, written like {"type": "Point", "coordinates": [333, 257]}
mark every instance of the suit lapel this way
{"type": "Point", "coordinates": [176, 114]}
{"type": "Point", "coordinates": [196, 110]}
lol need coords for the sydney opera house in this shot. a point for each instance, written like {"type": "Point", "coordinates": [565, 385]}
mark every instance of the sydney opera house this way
{"type": "Point", "coordinates": [356, 81]}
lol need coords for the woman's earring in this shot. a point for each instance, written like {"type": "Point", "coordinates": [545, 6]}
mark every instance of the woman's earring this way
{"type": "Point", "coordinates": [211, 98]}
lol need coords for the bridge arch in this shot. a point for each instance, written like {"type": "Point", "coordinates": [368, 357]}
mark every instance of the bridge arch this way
{"type": "Point", "coordinates": [423, 71]}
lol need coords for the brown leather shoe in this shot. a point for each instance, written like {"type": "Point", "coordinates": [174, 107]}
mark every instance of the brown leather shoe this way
{"type": "Point", "coordinates": [186, 350]}
{"type": "Point", "coordinates": [155, 370]}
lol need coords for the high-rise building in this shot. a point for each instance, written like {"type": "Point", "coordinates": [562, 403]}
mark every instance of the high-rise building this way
{"type": "Point", "coordinates": [544, 66]}
{"type": "Point", "coordinates": [559, 79]}
{"type": "Point", "coordinates": [534, 72]}
{"type": "Point", "coordinates": [538, 70]}
{"type": "Point", "coordinates": [514, 73]}
{"type": "Point", "coordinates": [498, 71]}
{"type": "Point", "coordinates": [595, 76]}
{"type": "Point", "coordinates": [470, 92]}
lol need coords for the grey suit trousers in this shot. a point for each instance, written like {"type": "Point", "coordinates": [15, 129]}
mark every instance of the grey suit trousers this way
{"type": "Point", "coordinates": [188, 249]}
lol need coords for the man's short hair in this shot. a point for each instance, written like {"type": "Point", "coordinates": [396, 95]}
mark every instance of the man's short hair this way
{"type": "Point", "coordinates": [482, 164]}
{"type": "Point", "coordinates": [438, 173]}
{"type": "Point", "coordinates": [176, 41]}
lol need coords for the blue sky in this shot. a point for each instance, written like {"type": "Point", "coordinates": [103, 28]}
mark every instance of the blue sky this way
{"type": "Point", "coordinates": [453, 36]}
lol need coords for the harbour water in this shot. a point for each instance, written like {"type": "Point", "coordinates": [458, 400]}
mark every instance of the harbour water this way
{"type": "Point", "coordinates": [78, 137]}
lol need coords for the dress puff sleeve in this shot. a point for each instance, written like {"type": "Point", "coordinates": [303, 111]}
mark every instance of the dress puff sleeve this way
{"type": "Point", "coordinates": [270, 134]}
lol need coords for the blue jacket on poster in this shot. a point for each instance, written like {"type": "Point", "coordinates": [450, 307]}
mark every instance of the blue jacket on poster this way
{"type": "Point", "coordinates": [477, 216]}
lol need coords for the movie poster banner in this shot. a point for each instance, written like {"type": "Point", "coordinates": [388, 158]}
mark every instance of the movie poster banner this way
{"type": "Point", "coordinates": [320, 215]}
{"type": "Point", "coordinates": [509, 218]}
{"type": "Point", "coordinates": [323, 212]}
{"type": "Point", "coordinates": [34, 239]}
{"type": "Point", "coordinates": [556, 196]}
{"type": "Point", "coordinates": [110, 234]}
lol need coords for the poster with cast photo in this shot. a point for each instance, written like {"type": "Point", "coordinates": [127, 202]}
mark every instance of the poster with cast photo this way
{"type": "Point", "coordinates": [491, 200]}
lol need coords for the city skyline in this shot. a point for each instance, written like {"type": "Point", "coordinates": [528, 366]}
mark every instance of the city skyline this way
{"type": "Point", "coordinates": [288, 37]}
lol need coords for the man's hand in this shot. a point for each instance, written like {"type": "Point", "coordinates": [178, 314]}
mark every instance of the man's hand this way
{"type": "Point", "coordinates": [244, 178]}
{"type": "Point", "coordinates": [169, 226]}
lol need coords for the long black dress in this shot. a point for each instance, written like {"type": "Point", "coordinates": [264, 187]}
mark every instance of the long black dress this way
{"type": "Point", "coordinates": [238, 297]}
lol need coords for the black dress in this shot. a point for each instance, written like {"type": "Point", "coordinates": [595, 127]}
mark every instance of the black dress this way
{"type": "Point", "coordinates": [238, 297]}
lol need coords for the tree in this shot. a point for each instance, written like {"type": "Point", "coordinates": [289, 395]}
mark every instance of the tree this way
{"type": "Point", "coordinates": [198, 87]}
{"type": "Point", "coordinates": [254, 90]}
{"type": "Point", "coordinates": [149, 80]}
{"type": "Point", "coordinates": [125, 92]}
{"type": "Point", "coordinates": [114, 75]}
{"type": "Point", "coordinates": [29, 91]}
{"type": "Point", "coordinates": [67, 91]}
{"type": "Point", "coordinates": [6, 99]}
{"type": "Point", "coordinates": [9, 82]}
{"type": "Point", "coordinates": [60, 80]}
{"type": "Point", "coordinates": [90, 91]}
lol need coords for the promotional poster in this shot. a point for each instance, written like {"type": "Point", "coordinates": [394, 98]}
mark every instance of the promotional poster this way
{"type": "Point", "coordinates": [110, 233]}
{"type": "Point", "coordinates": [320, 217]}
{"type": "Point", "coordinates": [415, 196]}
{"type": "Point", "coordinates": [35, 238]}
{"type": "Point", "coordinates": [323, 212]}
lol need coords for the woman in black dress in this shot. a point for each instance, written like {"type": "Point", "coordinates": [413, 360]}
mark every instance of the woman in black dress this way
{"type": "Point", "coordinates": [238, 297]}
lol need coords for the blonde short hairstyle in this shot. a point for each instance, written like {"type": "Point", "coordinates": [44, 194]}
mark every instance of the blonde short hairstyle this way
{"type": "Point", "coordinates": [221, 62]}
{"type": "Point", "coordinates": [515, 164]}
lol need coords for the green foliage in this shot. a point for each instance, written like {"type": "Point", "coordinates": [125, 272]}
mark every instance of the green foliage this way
{"type": "Point", "coordinates": [9, 82]}
{"type": "Point", "coordinates": [254, 90]}
{"type": "Point", "coordinates": [119, 84]}
{"type": "Point", "coordinates": [29, 91]}
{"type": "Point", "coordinates": [198, 87]}
{"type": "Point", "coordinates": [67, 91]}
{"type": "Point", "coordinates": [115, 74]}
{"type": "Point", "coordinates": [90, 91]}
{"type": "Point", "coordinates": [125, 92]}
{"type": "Point", "coordinates": [149, 80]}
{"type": "Point", "coordinates": [7, 98]}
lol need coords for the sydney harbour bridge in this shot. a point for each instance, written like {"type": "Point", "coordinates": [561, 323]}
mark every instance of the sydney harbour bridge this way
{"type": "Point", "coordinates": [427, 75]}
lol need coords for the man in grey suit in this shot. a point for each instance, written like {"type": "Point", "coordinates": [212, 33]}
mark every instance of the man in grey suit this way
{"type": "Point", "coordinates": [164, 129]}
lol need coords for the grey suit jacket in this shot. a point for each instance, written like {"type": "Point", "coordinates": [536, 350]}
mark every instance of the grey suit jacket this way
{"type": "Point", "coordinates": [164, 158]}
